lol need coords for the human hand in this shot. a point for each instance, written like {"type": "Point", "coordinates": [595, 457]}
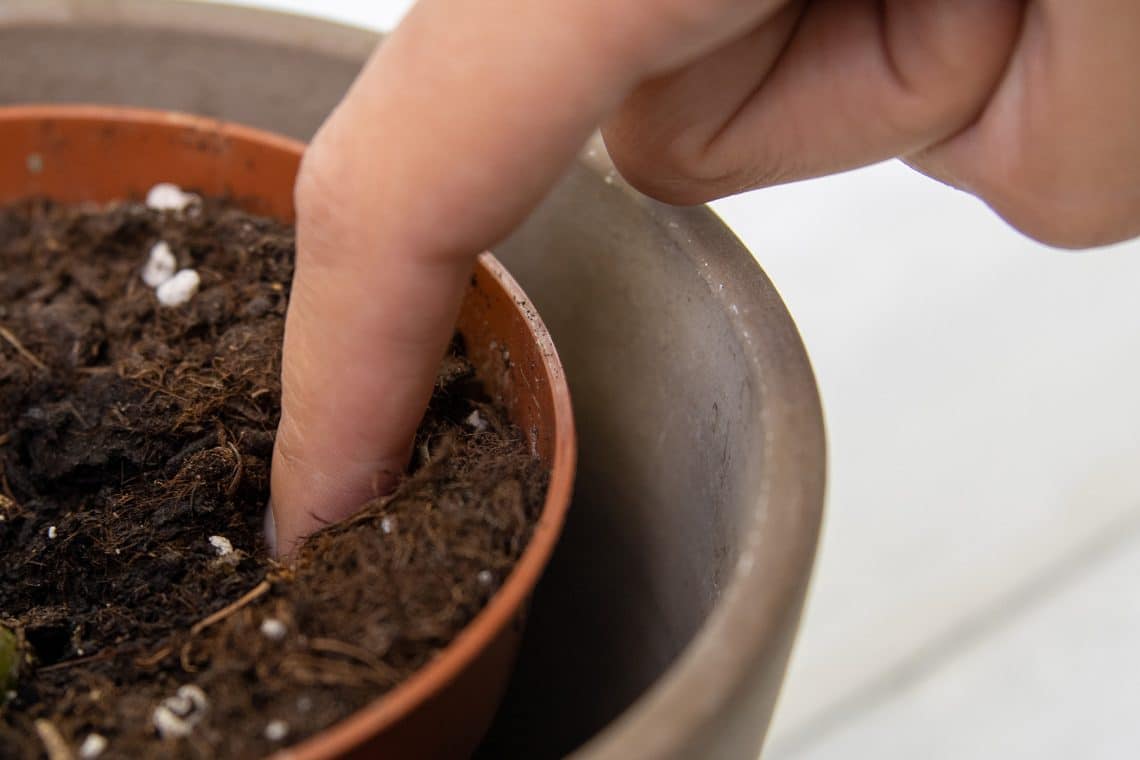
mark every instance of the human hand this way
{"type": "Point", "coordinates": [465, 117]}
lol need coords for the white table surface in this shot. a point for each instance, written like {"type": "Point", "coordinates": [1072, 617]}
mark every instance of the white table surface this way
{"type": "Point", "coordinates": [976, 592]}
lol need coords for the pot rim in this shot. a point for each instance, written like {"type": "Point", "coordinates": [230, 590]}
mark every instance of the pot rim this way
{"type": "Point", "coordinates": [511, 598]}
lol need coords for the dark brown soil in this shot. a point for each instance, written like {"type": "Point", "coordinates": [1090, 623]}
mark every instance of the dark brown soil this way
{"type": "Point", "coordinates": [130, 434]}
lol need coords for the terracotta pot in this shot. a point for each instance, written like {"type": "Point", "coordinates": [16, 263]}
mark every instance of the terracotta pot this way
{"type": "Point", "coordinates": [88, 153]}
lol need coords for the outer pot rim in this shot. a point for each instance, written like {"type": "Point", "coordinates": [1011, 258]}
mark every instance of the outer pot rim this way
{"type": "Point", "coordinates": [510, 600]}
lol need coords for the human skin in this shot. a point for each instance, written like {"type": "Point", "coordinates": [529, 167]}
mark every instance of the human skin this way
{"type": "Point", "coordinates": [461, 122]}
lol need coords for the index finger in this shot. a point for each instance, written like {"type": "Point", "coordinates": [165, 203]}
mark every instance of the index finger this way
{"type": "Point", "coordinates": [454, 130]}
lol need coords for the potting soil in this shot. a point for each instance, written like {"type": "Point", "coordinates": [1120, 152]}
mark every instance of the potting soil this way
{"type": "Point", "coordinates": [135, 442]}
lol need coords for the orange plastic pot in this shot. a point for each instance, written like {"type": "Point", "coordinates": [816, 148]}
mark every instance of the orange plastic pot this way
{"type": "Point", "coordinates": [89, 153]}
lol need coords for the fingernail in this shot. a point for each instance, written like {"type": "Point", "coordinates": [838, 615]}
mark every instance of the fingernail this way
{"type": "Point", "coordinates": [271, 530]}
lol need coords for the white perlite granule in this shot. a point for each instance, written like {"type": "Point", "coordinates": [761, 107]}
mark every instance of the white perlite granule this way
{"type": "Point", "coordinates": [172, 288]}
{"type": "Point", "coordinates": [273, 629]}
{"type": "Point", "coordinates": [276, 730]}
{"type": "Point", "coordinates": [221, 545]}
{"type": "Point", "coordinates": [93, 746]}
{"type": "Point", "coordinates": [52, 532]}
{"type": "Point", "coordinates": [179, 289]}
{"type": "Point", "coordinates": [176, 716]}
{"type": "Point", "coordinates": [160, 265]}
{"type": "Point", "coordinates": [166, 196]}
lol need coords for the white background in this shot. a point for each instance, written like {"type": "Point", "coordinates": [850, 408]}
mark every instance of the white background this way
{"type": "Point", "coordinates": [977, 593]}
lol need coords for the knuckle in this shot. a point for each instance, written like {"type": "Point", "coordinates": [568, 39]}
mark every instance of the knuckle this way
{"type": "Point", "coordinates": [668, 167]}
{"type": "Point", "coordinates": [944, 62]}
{"type": "Point", "coordinates": [684, 169]}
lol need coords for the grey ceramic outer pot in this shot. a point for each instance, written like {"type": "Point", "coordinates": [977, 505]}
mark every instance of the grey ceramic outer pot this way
{"type": "Point", "coordinates": [663, 626]}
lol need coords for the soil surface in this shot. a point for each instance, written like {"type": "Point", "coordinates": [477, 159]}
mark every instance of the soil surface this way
{"type": "Point", "coordinates": [134, 450]}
